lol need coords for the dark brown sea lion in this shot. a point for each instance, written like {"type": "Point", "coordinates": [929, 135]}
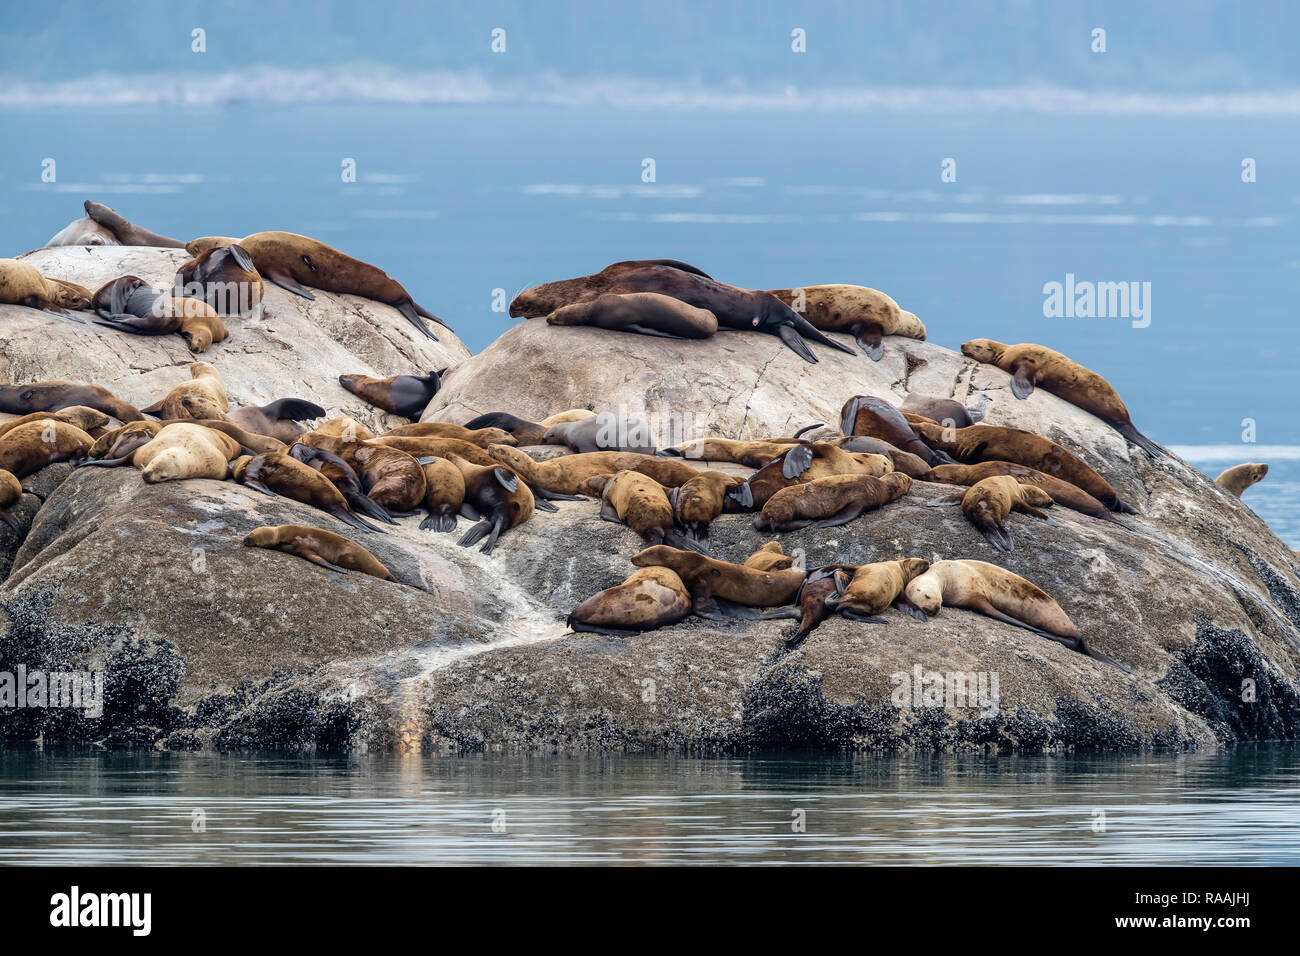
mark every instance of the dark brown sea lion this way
{"type": "Point", "coordinates": [126, 232]}
{"type": "Point", "coordinates": [989, 502]}
{"type": "Point", "coordinates": [225, 278]}
{"type": "Point", "coordinates": [329, 550]}
{"type": "Point", "coordinates": [405, 395]}
{"type": "Point", "coordinates": [734, 308]}
{"type": "Point", "coordinates": [802, 463]}
{"type": "Point", "coordinates": [650, 598]}
{"type": "Point", "coordinates": [865, 313]}
{"type": "Point", "coordinates": [281, 474]}
{"type": "Point", "coordinates": [53, 396]}
{"type": "Point", "coordinates": [830, 501]}
{"type": "Point", "coordinates": [810, 607]}
{"type": "Point", "coordinates": [344, 477]}
{"type": "Point", "coordinates": [646, 313]}
{"type": "Point", "coordinates": [711, 581]}
{"type": "Point", "coordinates": [876, 418]}
{"type": "Point", "coordinates": [1062, 492]}
{"type": "Point", "coordinates": [496, 498]}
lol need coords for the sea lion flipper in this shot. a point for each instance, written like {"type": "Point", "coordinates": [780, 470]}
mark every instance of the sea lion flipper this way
{"type": "Point", "coordinates": [608, 512]}
{"type": "Point", "coordinates": [843, 516]}
{"type": "Point", "coordinates": [407, 308]}
{"type": "Point", "coordinates": [12, 521]}
{"type": "Point", "coordinates": [467, 510]}
{"type": "Point", "coordinates": [241, 257]}
{"type": "Point", "coordinates": [953, 499]}
{"type": "Point", "coordinates": [853, 615]}
{"type": "Point", "coordinates": [293, 409]}
{"type": "Point", "coordinates": [796, 461]}
{"type": "Point", "coordinates": [870, 339]}
{"type": "Point", "coordinates": [998, 537]}
{"type": "Point", "coordinates": [1022, 381]}
{"type": "Point", "coordinates": [541, 504]}
{"type": "Point", "coordinates": [908, 608]}
{"type": "Point", "coordinates": [288, 283]}
{"type": "Point", "coordinates": [795, 343]}
{"type": "Point", "coordinates": [506, 478]}
{"type": "Point", "coordinates": [781, 613]}
{"type": "Point", "coordinates": [1137, 438]}
{"type": "Point", "coordinates": [315, 558]}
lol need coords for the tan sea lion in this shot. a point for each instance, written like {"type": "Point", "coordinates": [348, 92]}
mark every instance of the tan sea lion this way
{"type": "Point", "coordinates": [989, 502]}
{"type": "Point", "coordinates": [23, 284]}
{"type": "Point", "coordinates": [205, 382]}
{"type": "Point", "coordinates": [977, 443]}
{"type": "Point", "coordinates": [865, 313]}
{"type": "Point", "coordinates": [568, 474]}
{"type": "Point", "coordinates": [1062, 492]}
{"type": "Point", "coordinates": [830, 501]}
{"type": "Point", "coordinates": [31, 446]}
{"type": "Point", "coordinates": [329, 550]}
{"type": "Point", "coordinates": [475, 436]}
{"type": "Point", "coordinates": [635, 500]}
{"type": "Point", "coordinates": [54, 396]}
{"type": "Point", "coordinates": [115, 446]}
{"type": "Point", "coordinates": [11, 492]}
{"type": "Point", "coordinates": [874, 587]}
{"type": "Point", "coordinates": [1240, 477]}
{"type": "Point", "coordinates": [913, 466]}
{"type": "Point", "coordinates": [405, 395]}
{"type": "Point", "coordinates": [876, 418]}
{"type": "Point", "coordinates": [1030, 365]}
{"type": "Point", "coordinates": [282, 474]}
{"type": "Point", "coordinates": [496, 498]}
{"type": "Point", "coordinates": [178, 451]}
{"type": "Point", "coordinates": [711, 581]}
{"type": "Point", "coordinates": [224, 278]}
{"type": "Point", "coordinates": [647, 313]}
{"type": "Point", "coordinates": [770, 557]}
{"type": "Point", "coordinates": [84, 417]}
{"type": "Point", "coordinates": [649, 598]}
{"type": "Point", "coordinates": [348, 429]}
{"type": "Point", "coordinates": [431, 446]}
{"type": "Point", "coordinates": [699, 500]}
{"type": "Point", "coordinates": [294, 262]}
{"type": "Point", "coordinates": [802, 463]}
{"type": "Point", "coordinates": [444, 494]}
{"type": "Point", "coordinates": [751, 454]}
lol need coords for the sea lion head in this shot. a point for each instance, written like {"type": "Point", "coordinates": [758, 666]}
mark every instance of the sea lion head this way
{"type": "Point", "coordinates": [196, 247]}
{"type": "Point", "coordinates": [913, 567]}
{"type": "Point", "coordinates": [898, 483]}
{"type": "Point", "coordinates": [202, 408]}
{"type": "Point", "coordinates": [263, 537]}
{"type": "Point", "coordinates": [983, 350]}
{"type": "Point", "coordinates": [1036, 497]}
{"type": "Point", "coordinates": [68, 295]}
{"type": "Point", "coordinates": [926, 592]}
{"type": "Point", "coordinates": [166, 466]}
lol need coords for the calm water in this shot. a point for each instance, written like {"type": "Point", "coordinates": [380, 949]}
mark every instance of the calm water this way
{"type": "Point", "coordinates": [1238, 808]}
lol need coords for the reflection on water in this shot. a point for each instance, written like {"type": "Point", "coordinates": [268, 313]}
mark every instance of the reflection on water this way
{"type": "Point", "coordinates": [73, 808]}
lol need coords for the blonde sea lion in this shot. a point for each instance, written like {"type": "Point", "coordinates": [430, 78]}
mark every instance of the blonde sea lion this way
{"type": "Point", "coordinates": [1032, 365]}
{"type": "Point", "coordinates": [329, 550]}
{"type": "Point", "coordinates": [23, 284]}
{"type": "Point", "coordinates": [1240, 477]}
{"type": "Point", "coordinates": [866, 314]}
{"type": "Point", "coordinates": [876, 418]}
{"type": "Point", "coordinates": [649, 598]}
{"type": "Point", "coordinates": [181, 450]}
{"type": "Point", "coordinates": [282, 474]}
{"type": "Point", "coordinates": [129, 304]}
{"type": "Point", "coordinates": [84, 417]}
{"type": "Point", "coordinates": [405, 395]}
{"type": "Point", "coordinates": [830, 501]}
{"type": "Point", "coordinates": [1062, 492]}
{"type": "Point", "coordinates": [751, 454]}
{"type": "Point", "coordinates": [11, 492]}
{"type": "Point", "coordinates": [205, 382]}
{"type": "Point", "coordinates": [803, 463]}
{"type": "Point", "coordinates": [33, 445]}
{"type": "Point", "coordinates": [699, 500]}
{"type": "Point", "coordinates": [294, 262]}
{"type": "Point", "coordinates": [567, 475]}
{"type": "Point", "coordinates": [646, 313]}
{"type": "Point", "coordinates": [55, 396]}
{"type": "Point", "coordinates": [874, 587]}
{"type": "Point", "coordinates": [444, 494]}
{"type": "Point", "coordinates": [224, 278]}
{"type": "Point", "coordinates": [496, 498]}
{"type": "Point", "coordinates": [720, 588]}
{"type": "Point", "coordinates": [989, 502]}
{"type": "Point", "coordinates": [348, 429]}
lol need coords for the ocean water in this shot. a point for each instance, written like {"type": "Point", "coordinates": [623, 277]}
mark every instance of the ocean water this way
{"type": "Point", "coordinates": [187, 809]}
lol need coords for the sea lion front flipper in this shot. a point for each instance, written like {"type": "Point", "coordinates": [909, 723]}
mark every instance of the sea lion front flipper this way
{"type": "Point", "coordinates": [467, 510]}
{"type": "Point", "coordinates": [943, 458]}
{"type": "Point", "coordinates": [421, 310]}
{"type": "Point", "coordinates": [998, 537]}
{"type": "Point", "coordinates": [796, 461]}
{"type": "Point", "coordinates": [907, 607]}
{"type": "Point", "coordinates": [65, 315]}
{"type": "Point", "coordinates": [1137, 438]}
{"type": "Point", "coordinates": [12, 521]}
{"type": "Point", "coordinates": [781, 613]}
{"type": "Point", "coordinates": [853, 615]}
{"type": "Point", "coordinates": [742, 494]}
{"type": "Point", "coordinates": [1022, 381]}
{"type": "Point", "coordinates": [953, 499]}
{"type": "Point", "coordinates": [870, 337]}
{"type": "Point", "coordinates": [506, 478]}
{"type": "Point", "coordinates": [365, 505]}
{"type": "Point", "coordinates": [407, 308]}
{"type": "Point", "coordinates": [288, 283]}
{"type": "Point", "coordinates": [795, 343]}
{"type": "Point", "coordinates": [1035, 513]}
{"type": "Point", "coordinates": [542, 493]}
{"type": "Point", "coordinates": [355, 520]}
{"type": "Point", "coordinates": [646, 330]}
{"type": "Point", "coordinates": [982, 606]}
{"type": "Point", "coordinates": [732, 609]}
{"type": "Point", "coordinates": [293, 409]}
{"type": "Point", "coordinates": [315, 558]}
{"type": "Point", "coordinates": [475, 534]}
{"type": "Point", "coordinates": [542, 505]}
{"type": "Point", "coordinates": [258, 486]}
{"type": "Point", "coordinates": [843, 516]}
{"type": "Point", "coordinates": [683, 542]}
{"type": "Point", "coordinates": [497, 524]}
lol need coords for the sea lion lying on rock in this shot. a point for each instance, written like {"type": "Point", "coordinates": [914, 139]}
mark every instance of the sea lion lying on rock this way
{"type": "Point", "coordinates": [329, 550]}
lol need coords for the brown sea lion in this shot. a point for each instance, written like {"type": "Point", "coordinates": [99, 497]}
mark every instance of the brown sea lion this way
{"type": "Point", "coordinates": [11, 492]}
{"type": "Point", "coordinates": [114, 447]}
{"type": "Point", "coordinates": [54, 396]}
{"type": "Point", "coordinates": [700, 499]}
{"type": "Point", "coordinates": [348, 429]}
{"type": "Point", "coordinates": [496, 498]}
{"type": "Point", "coordinates": [802, 463]}
{"type": "Point", "coordinates": [1062, 492]}
{"type": "Point", "coordinates": [874, 587]}
{"type": "Point", "coordinates": [405, 395]}
{"type": "Point", "coordinates": [567, 475]}
{"type": "Point", "coordinates": [876, 418]}
{"type": "Point", "coordinates": [1240, 477]}
{"type": "Point", "coordinates": [430, 446]}
{"type": "Point", "coordinates": [31, 446]}
{"type": "Point", "coordinates": [635, 500]}
{"type": "Point", "coordinates": [225, 278]}
{"type": "Point", "coordinates": [606, 431]}
{"type": "Point", "coordinates": [129, 304]}
{"type": "Point", "coordinates": [444, 494]}
{"type": "Point", "coordinates": [734, 308]}
{"type": "Point", "coordinates": [810, 607]}
{"type": "Point", "coordinates": [770, 557]}
{"type": "Point", "coordinates": [84, 417]}
{"type": "Point", "coordinates": [977, 443]}
{"type": "Point", "coordinates": [865, 313]}
{"type": "Point", "coordinates": [205, 382]}
{"type": "Point", "coordinates": [1031, 365]}
{"type": "Point", "coordinates": [23, 284]}
{"type": "Point", "coordinates": [126, 232]}
{"type": "Point", "coordinates": [475, 436]}
{"type": "Point", "coordinates": [946, 411]}
{"type": "Point", "coordinates": [647, 313]}
{"type": "Point", "coordinates": [649, 598]}
{"type": "Point", "coordinates": [294, 262]}
{"type": "Point", "coordinates": [830, 501]}
{"type": "Point", "coordinates": [344, 477]}
{"type": "Point", "coordinates": [281, 474]}
{"type": "Point", "coordinates": [751, 454]}
{"type": "Point", "coordinates": [392, 478]}
{"type": "Point", "coordinates": [989, 502]}
{"type": "Point", "coordinates": [720, 588]}
{"type": "Point", "coordinates": [329, 550]}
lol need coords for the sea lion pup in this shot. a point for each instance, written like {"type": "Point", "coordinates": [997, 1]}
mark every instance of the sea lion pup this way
{"type": "Point", "coordinates": [225, 278]}
{"type": "Point", "coordinates": [802, 463]}
{"type": "Point", "coordinates": [913, 466]}
{"type": "Point", "coordinates": [874, 587]}
{"type": "Point", "coordinates": [866, 314]}
{"type": "Point", "coordinates": [205, 381]}
{"type": "Point", "coordinates": [54, 396]}
{"type": "Point", "coordinates": [126, 232]}
{"type": "Point", "coordinates": [404, 395]}
{"type": "Point", "coordinates": [496, 498]}
{"type": "Point", "coordinates": [876, 418]}
{"type": "Point", "coordinates": [281, 474]}
{"type": "Point", "coordinates": [641, 503]}
{"type": "Point", "coordinates": [344, 477]}
{"type": "Point", "coordinates": [475, 436]}
{"type": "Point", "coordinates": [604, 432]}
{"type": "Point", "coordinates": [1062, 492]}
{"type": "Point", "coordinates": [831, 501]}
{"type": "Point", "coordinates": [129, 304]}
{"type": "Point", "coordinates": [567, 475]}
{"type": "Point", "coordinates": [722, 589]}
{"type": "Point", "coordinates": [697, 501]}
{"type": "Point", "coordinates": [734, 308]}
{"type": "Point", "coordinates": [11, 492]}
{"type": "Point", "coordinates": [84, 417]}
{"type": "Point", "coordinates": [997, 593]}
{"type": "Point", "coordinates": [810, 607]}
{"type": "Point", "coordinates": [329, 550]}
{"type": "Point", "coordinates": [770, 557]}
{"type": "Point", "coordinates": [646, 313]}
{"type": "Point", "coordinates": [444, 493]}
{"type": "Point", "coordinates": [649, 598]}
{"type": "Point", "coordinates": [31, 446]}
{"type": "Point", "coordinates": [946, 411]}
{"type": "Point", "coordinates": [1030, 365]}
{"type": "Point", "coordinates": [977, 443]}
{"type": "Point", "coordinates": [989, 501]}
{"type": "Point", "coordinates": [293, 262]}
{"type": "Point", "coordinates": [1240, 477]}
{"type": "Point", "coordinates": [23, 284]}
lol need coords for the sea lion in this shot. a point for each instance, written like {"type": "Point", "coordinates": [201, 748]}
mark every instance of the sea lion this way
{"type": "Point", "coordinates": [84, 417]}
{"type": "Point", "coordinates": [719, 587]}
{"type": "Point", "coordinates": [876, 418]}
{"type": "Point", "coordinates": [293, 262]}
{"type": "Point", "coordinates": [946, 411]}
{"type": "Point", "coordinates": [866, 314]}
{"type": "Point", "coordinates": [1062, 492]}
{"type": "Point", "coordinates": [874, 587]}
{"type": "Point", "coordinates": [751, 454]}
{"type": "Point", "coordinates": [129, 304]}
{"type": "Point", "coordinates": [830, 501]}
{"type": "Point", "coordinates": [977, 443]}
{"type": "Point", "coordinates": [344, 477]}
{"type": "Point", "coordinates": [802, 463]}
{"type": "Point", "coordinates": [181, 450]}
{"type": "Point", "coordinates": [31, 446]}
{"type": "Point", "coordinates": [568, 415]}
{"type": "Point", "coordinates": [1240, 477]}
{"type": "Point", "coordinates": [392, 478]}
{"type": "Point", "coordinates": [329, 550]}
{"type": "Point", "coordinates": [525, 432]}
{"type": "Point", "coordinates": [431, 446]}
{"type": "Point", "coordinates": [53, 396]}
{"type": "Point", "coordinates": [810, 607]}
{"type": "Point", "coordinates": [444, 494]}
{"type": "Point", "coordinates": [604, 432]}
{"type": "Point", "coordinates": [734, 308]}
{"type": "Point", "coordinates": [404, 395]}
{"type": "Point", "coordinates": [278, 419]}
{"type": "Point", "coordinates": [475, 436]}
{"type": "Point", "coordinates": [496, 498]}
{"type": "Point", "coordinates": [205, 381]}
{"type": "Point", "coordinates": [126, 232]}
{"type": "Point", "coordinates": [649, 598]}
{"type": "Point", "coordinates": [700, 499]}
{"type": "Point", "coordinates": [637, 501]}
{"type": "Point", "coordinates": [82, 232]}
{"type": "Point", "coordinates": [989, 501]}
{"type": "Point", "coordinates": [225, 278]}
{"type": "Point", "coordinates": [348, 429]}
{"type": "Point", "coordinates": [997, 593]}
{"type": "Point", "coordinates": [770, 557]}
{"type": "Point", "coordinates": [568, 474]}
{"type": "Point", "coordinates": [1030, 365]}
{"type": "Point", "coordinates": [281, 474]}
{"type": "Point", "coordinates": [115, 447]}
{"type": "Point", "coordinates": [647, 313]}
{"type": "Point", "coordinates": [913, 466]}
{"type": "Point", "coordinates": [23, 284]}
{"type": "Point", "coordinates": [11, 492]}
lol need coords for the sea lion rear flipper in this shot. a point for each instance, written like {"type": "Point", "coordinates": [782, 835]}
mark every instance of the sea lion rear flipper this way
{"type": "Point", "coordinates": [853, 615]}
{"type": "Point", "coordinates": [293, 409]}
{"type": "Point", "coordinates": [683, 542]}
{"type": "Point", "coordinates": [1022, 381]}
{"type": "Point", "coordinates": [65, 315]}
{"type": "Point", "coordinates": [356, 521]}
{"type": "Point", "coordinates": [288, 283]}
{"type": "Point", "coordinates": [608, 512]}
{"type": "Point", "coordinates": [843, 516]}
{"type": "Point", "coordinates": [796, 344]}
{"type": "Point", "coordinates": [467, 510]}
{"type": "Point", "coordinates": [796, 461]}
{"type": "Point", "coordinates": [997, 536]}
{"type": "Point", "coordinates": [1137, 438]}
{"type": "Point", "coordinates": [365, 505]}
{"type": "Point", "coordinates": [315, 558]}
{"type": "Point", "coordinates": [258, 486]}
{"type": "Point", "coordinates": [407, 308]}
{"type": "Point", "coordinates": [810, 331]}
{"type": "Point", "coordinates": [953, 499]}
{"type": "Point", "coordinates": [542, 493]}
{"type": "Point", "coordinates": [871, 341]}
{"type": "Point", "coordinates": [742, 494]}
{"type": "Point", "coordinates": [781, 613]}
{"type": "Point", "coordinates": [12, 521]}
{"type": "Point", "coordinates": [595, 629]}
{"type": "Point", "coordinates": [646, 330]}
